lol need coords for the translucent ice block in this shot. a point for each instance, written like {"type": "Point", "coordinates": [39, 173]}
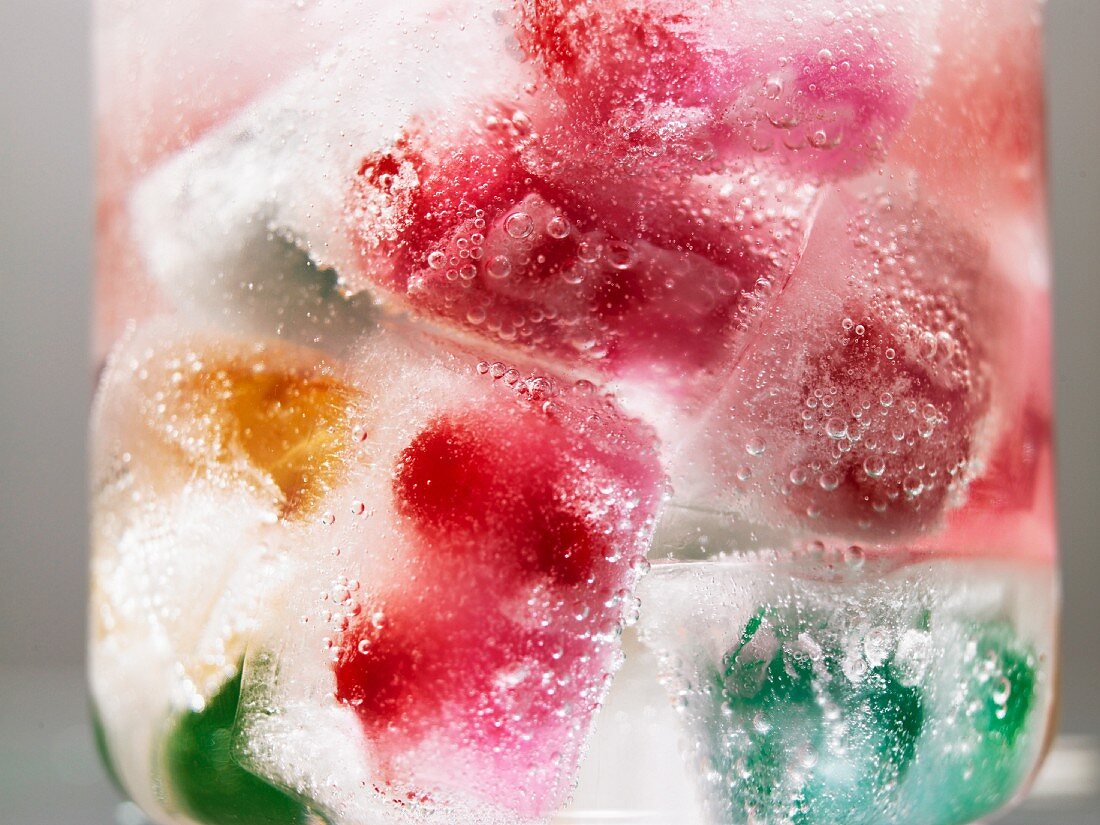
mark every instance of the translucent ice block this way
{"type": "Point", "coordinates": [847, 688]}
{"type": "Point", "coordinates": [819, 86]}
{"type": "Point", "coordinates": [648, 279]}
{"type": "Point", "coordinates": [455, 626]}
{"type": "Point", "coordinates": [870, 396]}
{"type": "Point", "coordinates": [245, 227]}
{"type": "Point", "coordinates": [210, 453]}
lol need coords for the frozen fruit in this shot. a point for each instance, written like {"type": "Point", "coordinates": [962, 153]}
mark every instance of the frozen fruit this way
{"type": "Point", "coordinates": [860, 407]}
{"type": "Point", "coordinates": [650, 279]}
{"type": "Point", "coordinates": [691, 85]}
{"type": "Point", "coordinates": [869, 690]}
{"type": "Point", "coordinates": [530, 538]}
{"type": "Point", "coordinates": [265, 415]}
{"type": "Point", "coordinates": [522, 509]}
{"type": "Point", "coordinates": [204, 780]}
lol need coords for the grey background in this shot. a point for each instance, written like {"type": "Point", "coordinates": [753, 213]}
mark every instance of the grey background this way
{"type": "Point", "coordinates": [47, 772]}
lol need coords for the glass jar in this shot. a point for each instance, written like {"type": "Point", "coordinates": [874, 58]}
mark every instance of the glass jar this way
{"type": "Point", "coordinates": [565, 410]}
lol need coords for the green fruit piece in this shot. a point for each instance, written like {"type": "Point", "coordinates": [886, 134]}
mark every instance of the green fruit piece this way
{"type": "Point", "coordinates": [205, 781]}
{"type": "Point", "coordinates": [992, 736]}
{"type": "Point", "coordinates": [779, 717]}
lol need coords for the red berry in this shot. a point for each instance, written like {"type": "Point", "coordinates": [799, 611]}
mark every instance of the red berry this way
{"type": "Point", "coordinates": [697, 85]}
{"type": "Point", "coordinates": [653, 279]}
{"type": "Point", "coordinates": [859, 409]}
{"type": "Point", "coordinates": [511, 492]}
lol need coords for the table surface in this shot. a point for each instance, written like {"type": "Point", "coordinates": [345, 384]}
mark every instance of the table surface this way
{"type": "Point", "coordinates": [50, 775]}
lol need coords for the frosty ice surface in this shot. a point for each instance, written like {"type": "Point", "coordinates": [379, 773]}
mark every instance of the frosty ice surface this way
{"type": "Point", "coordinates": [430, 328]}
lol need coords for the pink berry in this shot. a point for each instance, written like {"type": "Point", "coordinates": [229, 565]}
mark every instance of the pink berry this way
{"type": "Point", "coordinates": [697, 84]}
{"type": "Point", "coordinates": [860, 408]}
{"type": "Point", "coordinates": [652, 278]}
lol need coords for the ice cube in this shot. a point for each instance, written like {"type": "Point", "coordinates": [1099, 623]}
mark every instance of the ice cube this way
{"type": "Point", "coordinates": [202, 779]}
{"type": "Point", "coordinates": [819, 86]}
{"type": "Point", "coordinates": [458, 625]}
{"type": "Point", "coordinates": [816, 690]}
{"type": "Point", "coordinates": [862, 406]}
{"type": "Point", "coordinates": [164, 78]}
{"type": "Point", "coordinates": [652, 279]}
{"type": "Point", "coordinates": [208, 452]}
{"type": "Point", "coordinates": [244, 226]}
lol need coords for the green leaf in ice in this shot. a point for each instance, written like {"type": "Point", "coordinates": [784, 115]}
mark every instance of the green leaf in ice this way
{"type": "Point", "coordinates": [783, 707]}
{"type": "Point", "coordinates": [991, 737]}
{"type": "Point", "coordinates": [206, 782]}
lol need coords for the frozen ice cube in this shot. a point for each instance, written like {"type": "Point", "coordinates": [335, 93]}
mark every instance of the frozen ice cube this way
{"type": "Point", "coordinates": [821, 87]}
{"type": "Point", "coordinates": [458, 625]}
{"type": "Point", "coordinates": [896, 690]}
{"type": "Point", "coordinates": [165, 77]}
{"type": "Point", "coordinates": [862, 407]}
{"type": "Point", "coordinates": [245, 226]}
{"type": "Point", "coordinates": [648, 278]}
{"type": "Point", "coordinates": [208, 452]}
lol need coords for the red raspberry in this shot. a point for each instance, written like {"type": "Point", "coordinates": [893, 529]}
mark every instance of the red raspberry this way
{"type": "Point", "coordinates": [653, 279]}
{"type": "Point", "coordinates": [859, 409]}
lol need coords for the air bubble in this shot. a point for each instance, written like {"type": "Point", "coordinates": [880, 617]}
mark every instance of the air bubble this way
{"type": "Point", "coordinates": [557, 227]}
{"type": "Point", "coordinates": [854, 557]}
{"type": "Point", "coordinates": [874, 466]}
{"type": "Point", "coordinates": [836, 428]}
{"type": "Point", "coordinates": [498, 267]}
{"type": "Point", "coordinates": [620, 255]}
{"type": "Point", "coordinates": [518, 225]}
{"type": "Point", "coordinates": [588, 252]}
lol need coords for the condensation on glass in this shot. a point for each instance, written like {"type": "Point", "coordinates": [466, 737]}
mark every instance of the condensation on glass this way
{"type": "Point", "coordinates": [519, 411]}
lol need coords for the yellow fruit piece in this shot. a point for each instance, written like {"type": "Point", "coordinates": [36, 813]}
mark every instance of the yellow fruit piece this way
{"type": "Point", "coordinates": [290, 422]}
{"type": "Point", "coordinates": [269, 415]}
